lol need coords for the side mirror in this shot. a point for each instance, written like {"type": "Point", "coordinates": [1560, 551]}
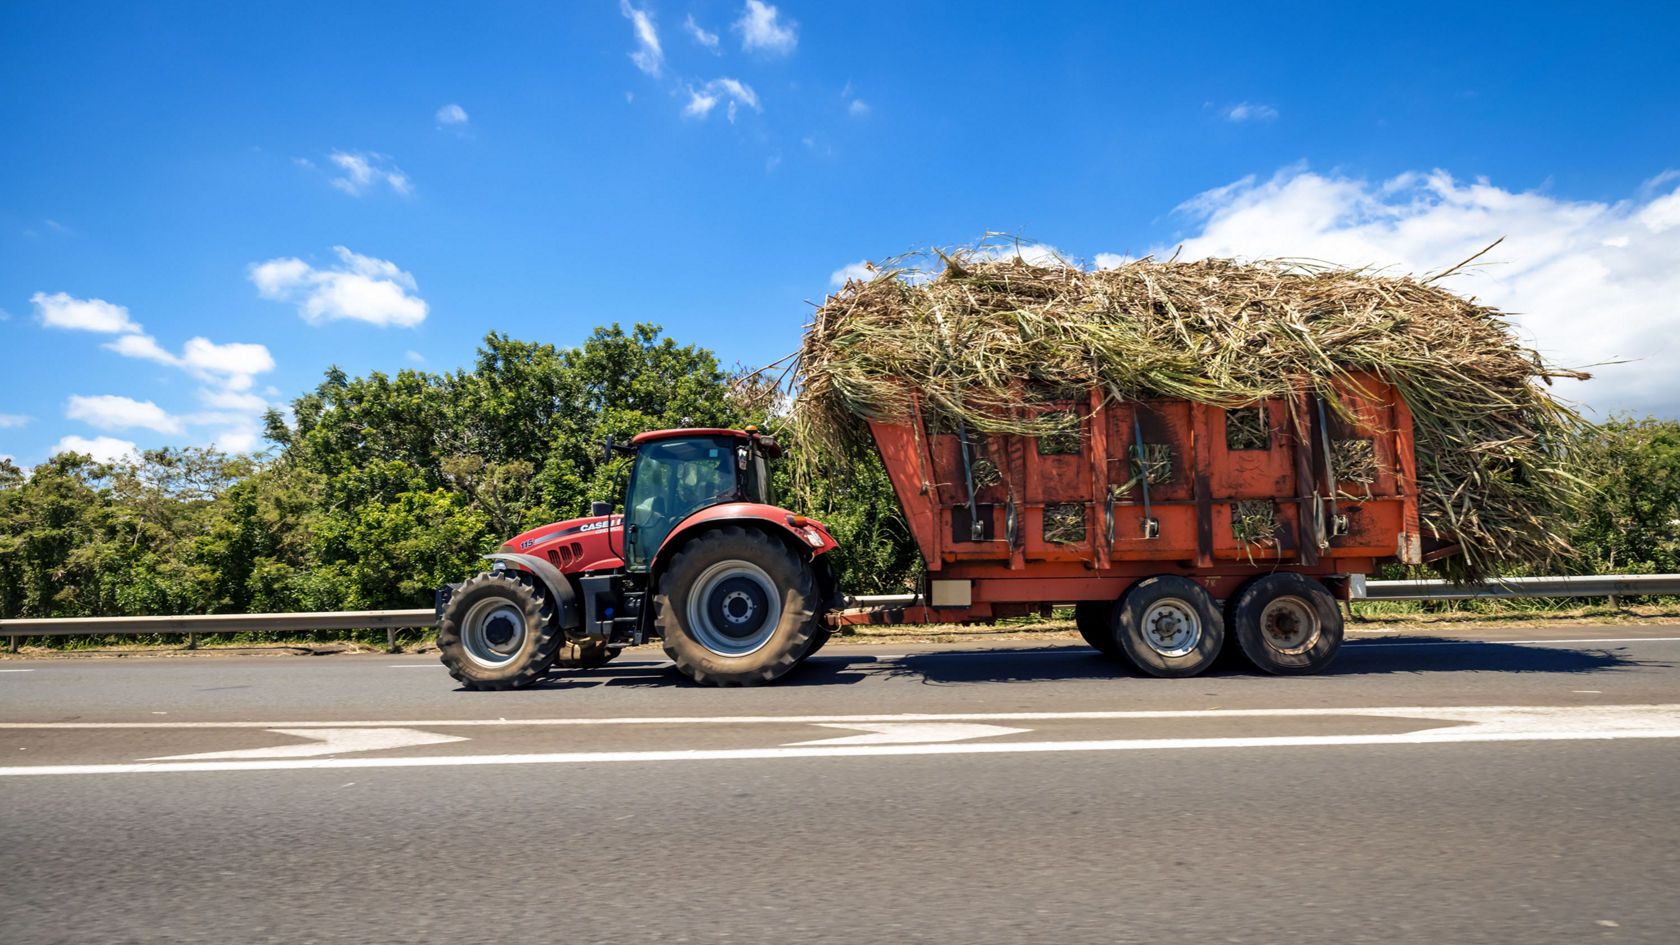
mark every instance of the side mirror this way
{"type": "Point", "coordinates": [600, 508]}
{"type": "Point", "coordinates": [607, 450]}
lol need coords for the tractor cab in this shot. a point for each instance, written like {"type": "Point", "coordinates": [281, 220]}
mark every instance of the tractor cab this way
{"type": "Point", "coordinates": [677, 473]}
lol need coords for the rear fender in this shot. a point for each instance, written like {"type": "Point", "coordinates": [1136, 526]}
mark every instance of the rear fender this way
{"type": "Point", "coordinates": [559, 589]}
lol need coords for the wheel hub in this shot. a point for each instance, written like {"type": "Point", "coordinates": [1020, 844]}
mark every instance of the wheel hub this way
{"type": "Point", "coordinates": [733, 608]}
{"type": "Point", "coordinates": [493, 632]}
{"type": "Point", "coordinates": [1171, 627]}
{"type": "Point", "coordinates": [1290, 625]}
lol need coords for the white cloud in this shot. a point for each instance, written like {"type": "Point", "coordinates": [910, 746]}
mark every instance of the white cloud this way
{"type": "Point", "coordinates": [1243, 111]}
{"type": "Point", "coordinates": [9, 420]}
{"type": "Point", "coordinates": [5, 315]}
{"type": "Point", "coordinates": [365, 170]}
{"type": "Point", "coordinates": [860, 270]}
{"type": "Point", "coordinates": [451, 114]}
{"type": "Point", "coordinates": [109, 412]}
{"type": "Point", "coordinates": [708, 40]}
{"type": "Point", "coordinates": [414, 357]}
{"type": "Point", "coordinates": [1587, 282]}
{"type": "Point", "coordinates": [225, 399]}
{"type": "Point", "coordinates": [763, 27]}
{"type": "Point", "coordinates": [105, 449]}
{"type": "Point", "coordinates": [361, 288]}
{"type": "Point", "coordinates": [59, 310]}
{"type": "Point", "coordinates": [858, 108]}
{"type": "Point", "coordinates": [648, 57]}
{"type": "Point", "coordinates": [231, 365]}
{"type": "Point", "coordinates": [1112, 260]}
{"type": "Point", "coordinates": [704, 99]}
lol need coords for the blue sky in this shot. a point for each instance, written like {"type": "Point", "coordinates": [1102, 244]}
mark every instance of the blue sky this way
{"type": "Point", "coordinates": [202, 206]}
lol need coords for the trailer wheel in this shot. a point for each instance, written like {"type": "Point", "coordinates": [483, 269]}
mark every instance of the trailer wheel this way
{"type": "Point", "coordinates": [736, 608]}
{"type": "Point", "coordinates": [499, 631]}
{"type": "Point", "coordinates": [1287, 623]}
{"type": "Point", "coordinates": [1092, 617]}
{"type": "Point", "coordinates": [1168, 626]}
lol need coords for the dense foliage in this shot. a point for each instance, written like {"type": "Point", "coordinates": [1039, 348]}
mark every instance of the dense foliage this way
{"type": "Point", "coordinates": [380, 488]}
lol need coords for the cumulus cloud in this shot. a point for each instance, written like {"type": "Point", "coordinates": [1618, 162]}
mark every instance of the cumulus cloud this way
{"type": "Point", "coordinates": [648, 57]}
{"type": "Point", "coordinates": [763, 27]}
{"type": "Point", "coordinates": [452, 114]}
{"type": "Point", "coordinates": [360, 288]}
{"type": "Point", "coordinates": [1586, 282]}
{"type": "Point", "coordinates": [109, 412]}
{"type": "Point", "coordinates": [704, 99]}
{"type": "Point", "coordinates": [59, 310]}
{"type": "Point", "coordinates": [708, 40]}
{"type": "Point", "coordinates": [1033, 254]}
{"type": "Point", "coordinates": [366, 170]}
{"type": "Point", "coordinates": [105, 449]}
{"type": "Point", "coordinates": [862, 271]}
{"type": "Point", "coordinates": [858, 108]}
{"type": "Point", "coordinates": [9, 420]}
{"type": "Point", "coordinates": [1112, 260]}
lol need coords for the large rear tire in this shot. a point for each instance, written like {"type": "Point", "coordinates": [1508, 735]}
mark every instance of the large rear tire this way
{"type": "Point", "coordinates": [1168, 626]}
{"type": "Point", "coordinates": [499, 631]}
{"type": "Point", "coordinates": [1287, 624]}
{"type": "Point", "coordinates": [737, 608]}
{"type": "Point", "coordinates": [1092, 617]}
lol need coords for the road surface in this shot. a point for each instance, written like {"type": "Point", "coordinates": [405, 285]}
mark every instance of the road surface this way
{"type": "Point", "coordinates": [1499, 786]}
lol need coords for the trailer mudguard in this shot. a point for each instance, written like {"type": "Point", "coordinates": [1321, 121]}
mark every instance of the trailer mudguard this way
{"type": "Point", "coordinates": [559, 589]}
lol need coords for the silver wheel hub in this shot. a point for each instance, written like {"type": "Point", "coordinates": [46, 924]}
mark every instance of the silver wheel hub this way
{"type": "Point", "coordinates": [1290, 625]}
{"type": "Point", "coordinates": [1171, 627]}
{"type": "Point", "coordinates": [733, 608]}
{"type": "Point", "coordinates": [493, 632]}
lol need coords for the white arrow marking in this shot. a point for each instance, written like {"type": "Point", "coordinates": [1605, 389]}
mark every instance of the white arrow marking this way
{"type": "Point", "coordinates": [326, 741]}
{"type": "Point", "coordinates": [905, 733]}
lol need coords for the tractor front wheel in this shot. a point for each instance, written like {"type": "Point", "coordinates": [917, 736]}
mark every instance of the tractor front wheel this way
{"type": "Point", "coordinates": [737, 608]}
{"type": "Point", "coordinates": [499, 631]}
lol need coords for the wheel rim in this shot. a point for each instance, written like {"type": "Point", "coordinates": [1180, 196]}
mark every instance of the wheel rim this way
{"type": "Point", "coordinates": [1171, 627]}
{"type": "Point", "coordinates": [1290, 625]}
{"type": "Point", "coordinates": [734, 608]}
{"type": "Point", "coordinates": [493, 632]}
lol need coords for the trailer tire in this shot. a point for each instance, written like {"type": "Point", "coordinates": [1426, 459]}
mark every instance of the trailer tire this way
{"type": "Point", "coordinates": [736, 608]}
{"type": "Point", "coordinates": [1168, 626]}
{"type": "Point", "coordinates": [1287, 624]}
{"type": "Point", "coordinates": [499, 631]}
{"type": "Point", "coordinates": [1092, 619]}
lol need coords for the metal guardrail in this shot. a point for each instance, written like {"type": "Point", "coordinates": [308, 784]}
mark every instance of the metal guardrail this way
{"type": "Point", "coordinates": [192, 625]}
{"type": "Point", "coordinates": [1606, 585]}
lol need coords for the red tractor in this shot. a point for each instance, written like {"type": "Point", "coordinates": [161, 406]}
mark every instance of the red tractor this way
{"type": "Point", "coordinates": [734, 585]}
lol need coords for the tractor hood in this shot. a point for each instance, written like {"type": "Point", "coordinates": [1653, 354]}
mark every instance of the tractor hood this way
{"type": "Point", "coordinates": [579, 544]}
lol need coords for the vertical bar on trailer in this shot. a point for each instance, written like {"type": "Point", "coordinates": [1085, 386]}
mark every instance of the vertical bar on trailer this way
{"type": "Point", "coordinates": [1099, 476]}
{"type": "Point", "coordinates": [1201, 445]}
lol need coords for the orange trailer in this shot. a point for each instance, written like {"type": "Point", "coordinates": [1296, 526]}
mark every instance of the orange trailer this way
{"type": "Point", "coordinates": [1157, 511]}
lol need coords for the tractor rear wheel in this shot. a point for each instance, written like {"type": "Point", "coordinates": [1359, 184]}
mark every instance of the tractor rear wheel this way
{"type": "Point", "coordinates": [737, 608]}
{"type": "Point", "coordinates": [499, 631]}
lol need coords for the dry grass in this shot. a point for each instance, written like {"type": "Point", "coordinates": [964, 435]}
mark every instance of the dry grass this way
{"type": "Point", "coordinates": [971, 335]}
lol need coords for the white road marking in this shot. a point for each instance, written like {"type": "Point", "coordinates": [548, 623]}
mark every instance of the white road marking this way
{"type": "Point", "coordinates": [1547, 723]}
{"type": "Point", "coordinates": [902, 733]}
{"type": "Point", "coordinates": [16, 671]}
{"type": "Point", "coordinates": [1415, 711]}
{"type": "Point", "coordinates": [1482, 724]}
{"type": "Point", "coordinates": [326, 741]}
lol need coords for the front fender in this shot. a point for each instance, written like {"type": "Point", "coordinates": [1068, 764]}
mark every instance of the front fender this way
{"type": "Point", "coordinates": [559, 589]}
{"type": "Point", "coordinates": [812, 539]}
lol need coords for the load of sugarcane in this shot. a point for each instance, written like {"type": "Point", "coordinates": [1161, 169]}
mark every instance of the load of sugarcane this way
{"type": "Point", "coordinates": [966, 331]}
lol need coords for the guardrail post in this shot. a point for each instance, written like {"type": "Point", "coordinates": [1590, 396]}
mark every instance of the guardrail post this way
{"type": "Point", "coordinates": [390, 639]}
{"type": "Point", "coordinates": [192, 641]}
{"type": "Point", "coordinates": [12, 647]}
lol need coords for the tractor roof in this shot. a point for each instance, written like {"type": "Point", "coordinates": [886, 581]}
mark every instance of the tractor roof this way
{"type": "Point", "coordinates": [769, 445]}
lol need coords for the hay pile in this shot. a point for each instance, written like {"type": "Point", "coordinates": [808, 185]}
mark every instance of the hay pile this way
{"type": "Point", "coordinates": [965, 329]}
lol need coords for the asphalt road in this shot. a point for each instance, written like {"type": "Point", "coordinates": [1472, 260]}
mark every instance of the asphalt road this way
{"type": "Point", "coordinates": [1511, 786]}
